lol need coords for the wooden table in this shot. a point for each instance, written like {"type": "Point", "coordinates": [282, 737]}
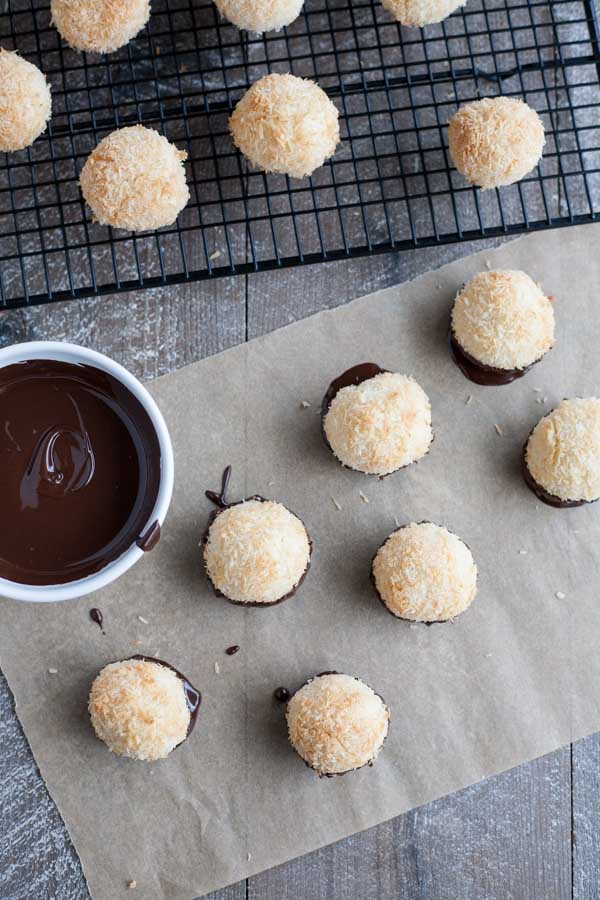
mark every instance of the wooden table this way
{"type": "Point", "coordinates": [530, 834]}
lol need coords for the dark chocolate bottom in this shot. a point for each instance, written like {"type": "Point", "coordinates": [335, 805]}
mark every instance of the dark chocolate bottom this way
{"type": "Point", "coordinates": [542, 494]}
{"type": "Point", "coordinates": [255, 603]}
{"type": "Point", "coordinates": [369, 764]}
{"type": "Point", "coordinates": [478, 372]}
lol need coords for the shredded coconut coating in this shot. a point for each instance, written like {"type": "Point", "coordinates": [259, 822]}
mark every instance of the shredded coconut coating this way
{"type": "Point", "coordinates": [381, 425]}
{"type": "Point", "coordinates": [418, 13]}
{"type": "Point", "coordinates": [135, 179]}
{"type": "Point", "coordinates": [495, 141]}
{"type": "Point", "coordinates": [503, 319]}
{"type": "Point", "coordinates": [25, 102]}
{"type": "Point", "coordinates": [256, 552]}
{"type": "Point", "coordinates": [259, 16]}
{"type": "Point", "coordinates": [337, 723]}
{"type": "Point", "coordinates": [285, 124]}
{"type": "Point", "coordinates": [138, 708]}
{"type": "Point", "coordinates": [563, 451]}
{"type": "Point", "coordinates": [99, 26]}
{"type": "Point", "coordinates": [425, 573]}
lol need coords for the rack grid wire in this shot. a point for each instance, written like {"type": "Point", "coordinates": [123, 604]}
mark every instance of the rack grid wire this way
{"type": "Point", "coordinates": [390, 186]}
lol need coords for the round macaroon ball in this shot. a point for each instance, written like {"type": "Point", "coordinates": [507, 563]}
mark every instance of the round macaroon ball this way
{"type": "Point", "coordinates": [256, 552]}
{"type": "Point", "coordinates": [495, 141]}
{"type": "Point", "coordinates": [25, 102]}
{"type": "Point", "coordinates": [562, 454]}
{"type": "Point", "coordinates": [285, 124]}
{"type": "Point", "coordinates": [135, 179]}
{"type": "Point", "coordinates": [379, 425]}
{"type": "Point", "coordinates": [337, 723]}
{"type": "Point", "coordinates": [502, 319]}
{"type": "Point", "coordinates": [99, 26]}
{"type": "Point", "coordinates": [139, 709]}
{"type": "Point", "coordinates": [418, 13]}
{"type": "Point", "coordinates": [259, 16]}
{"type": "Point", "coordinates": [424, 573]}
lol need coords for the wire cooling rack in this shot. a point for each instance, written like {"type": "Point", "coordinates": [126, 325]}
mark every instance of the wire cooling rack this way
{"type": "Point", "coordinates": [390, 186]}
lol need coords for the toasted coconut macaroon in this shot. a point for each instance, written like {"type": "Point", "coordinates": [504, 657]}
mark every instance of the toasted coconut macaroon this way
{"type": "Point", "coordinates": [285, 124]}
{"type": "Point", "coordinates": [424, 573]}
{"type": "Point", "coordinates": [256, 551]}
{"type": "Point", "coordinates": [376, 421]}
{"type": "Point", "coordinates": [99, 26]}
{"type": "Point", "coordinates": [418, 13]}
{"type": "Point", "coordinates": [495, 141]}
{"type": "Point", "coordinates": [142, 708]}
{"type": "Point", "coordinates": [135, 179]}
{"type": "Point", "coordinates": [259, 16]}
{"type": "Point", "coordinates": [502, 324]}
{"type": "Point", "coordinates": [337, 723]}
{"type": "Point", "coordinates": [25, 102]}
{"type": "Point", "coordinates": [562, 455]}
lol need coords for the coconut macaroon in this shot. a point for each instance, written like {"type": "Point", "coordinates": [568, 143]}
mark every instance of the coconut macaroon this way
{"type": "Point", "coordinates": [424, 573]}
{"type": "Point", "coordinates": [259, 16]}
{"type": "Point", "coordinates": [285, 124]}
{"type": "Point", "coordinates": [337, 723]}
{"type": "Point", "coordinates": [418, 13]}
{"type": "Point", "coordinates": [256, 552]}
{"type": "Point", "coordinates": [379, 425]}
{"type": "Point", "coordinates": [503, 323]}
{"type": "Point", "coordinates": [25, 102]}
{"type": "Point", "coordinates": [135, 179]}
{"type": "Point", "coordinates": [495, 141]}
{"type": "Point", "coordinates": [562, 455]}
{"type": "Point", "coordinates": [140, 708]}
{"type": "Point", "coordinates": [99, 26]}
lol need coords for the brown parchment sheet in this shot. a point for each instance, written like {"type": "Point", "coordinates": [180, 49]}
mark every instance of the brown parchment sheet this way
{"type": "Point", "coordinates": [515, 677]}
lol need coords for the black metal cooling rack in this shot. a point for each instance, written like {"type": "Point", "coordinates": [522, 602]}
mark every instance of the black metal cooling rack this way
{"type": "Point", "coordinates": [390, 186]}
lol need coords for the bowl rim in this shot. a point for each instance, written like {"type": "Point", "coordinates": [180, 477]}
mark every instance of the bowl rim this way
{"type": "Point", "coordinates": [63, 351]}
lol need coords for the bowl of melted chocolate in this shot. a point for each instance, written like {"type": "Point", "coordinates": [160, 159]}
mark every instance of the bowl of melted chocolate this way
{"type": "Point", "coordinates": [86, 471]}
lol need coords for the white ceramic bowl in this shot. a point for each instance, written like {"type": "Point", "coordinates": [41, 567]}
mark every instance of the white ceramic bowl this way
{"type": "Point", "coordinates": [71, 353]}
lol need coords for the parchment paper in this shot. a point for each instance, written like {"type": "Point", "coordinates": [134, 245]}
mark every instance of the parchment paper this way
{"type": "Point", "coordinates": [515, 677]}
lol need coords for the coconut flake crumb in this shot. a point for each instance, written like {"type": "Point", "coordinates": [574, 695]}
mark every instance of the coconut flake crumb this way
{"type": "Point", "coordinates": [217, 668]}
{"type": "Point", "coordinates": [363, 497]}
{"type": "Point", "coordinates": [248, 856]}
{"type": "Point", "coordinates": [52, 671]}
{"type": "Point", "coordinates": [304, 404]}
{"type": "Point", "coordinates": [560, 595]}
{"type": "Point", "coordinates": [132, 884]}
{"type": "Point", "coordinates": [523, 552]}
{"type": "Point", "coordinates": [214, 255]}
{"type": "Point", "coordinates": [397, 523]}
{"type": "Point", "coordinates": [335, 503]}
{"type": "Point", "coordinates": [143, 620]}
{"type": "Point", "coordinates": [468, 400]}
{"type": "Point", "coordinates": [498, 429]}
{"type": "Point", "coordinates": [537, 390]}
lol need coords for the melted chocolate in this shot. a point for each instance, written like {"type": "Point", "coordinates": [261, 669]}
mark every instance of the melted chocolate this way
{"type": "Point", "coordinates": [79, 471]}
{"type": "Point", "coordinates": [193, 697]}
{"type": "Point", "coordinates": [478, 372]}
{"type": "Point", "coordinates": [97, 617]}
{"type": "Point", "coordinates": [150, 538]}
{"type": "Point", "coordinates": [221, 503]}
{"type": "Point", "coordinates": [542, 494]}
{"type": "Point", "coordinates": [281, 694]}
{"type": "Point", "coordinates": [231, 651]}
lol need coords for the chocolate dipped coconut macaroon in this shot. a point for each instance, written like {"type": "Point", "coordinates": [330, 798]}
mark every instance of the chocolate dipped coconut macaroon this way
{"type": "Point", "coordinates": [424, 573]}
{"type": "Point", "coordinates": [375, 421]}
{"type": "Point", "coordinates": [256, 552]}
{"type": "Point", "coordinates": [501, 325]}
{"type": "Point", "coordinates": [142, 707]}
{"type": "Point", "coordinates": [337, 723]}
{"type": "Point", "coordinates": [561, 459]}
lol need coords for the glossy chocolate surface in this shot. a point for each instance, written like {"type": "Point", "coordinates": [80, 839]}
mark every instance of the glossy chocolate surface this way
{"type": "Point", "coordinates": [79, 471]}
{"type": "Point", "coordinates": [478, 372]}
